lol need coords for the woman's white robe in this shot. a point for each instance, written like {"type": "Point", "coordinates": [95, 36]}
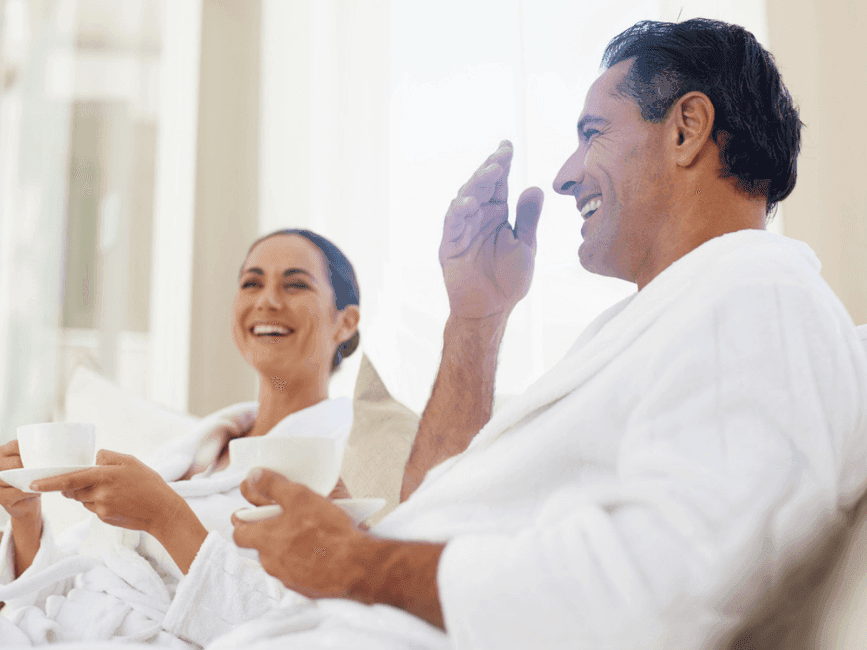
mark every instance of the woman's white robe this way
{"type": "Point", "coordinates": [100, 582]}
{"type": "Point", "coordinates": [644, 491]}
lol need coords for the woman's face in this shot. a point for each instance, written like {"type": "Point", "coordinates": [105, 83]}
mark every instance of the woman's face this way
{"type": "Point", "coordinates": [285, 323]}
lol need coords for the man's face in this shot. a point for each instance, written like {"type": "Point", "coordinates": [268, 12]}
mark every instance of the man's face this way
{"type": "Point", "coordinates": [619, 179]}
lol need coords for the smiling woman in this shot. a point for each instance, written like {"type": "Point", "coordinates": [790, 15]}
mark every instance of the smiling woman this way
{"type": "Point", "coordinates": [294, 318]}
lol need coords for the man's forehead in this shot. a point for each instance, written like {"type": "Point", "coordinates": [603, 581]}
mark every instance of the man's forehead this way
{"type": "Point", "coordinates": [605, 89]}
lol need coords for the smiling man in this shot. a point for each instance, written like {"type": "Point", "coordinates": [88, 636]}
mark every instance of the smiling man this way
{"type": "Point", "coordinates": [687, 448]}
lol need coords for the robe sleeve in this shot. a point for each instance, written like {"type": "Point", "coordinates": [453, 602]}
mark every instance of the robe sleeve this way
{"type": "Point", "coordinates": [732, 459]}
{"type": "Point", "coordinates": [49, 553]}
{"type": "Point", "coordinates": [221, 590]}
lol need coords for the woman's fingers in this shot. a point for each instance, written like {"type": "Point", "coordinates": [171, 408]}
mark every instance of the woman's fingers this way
{"type": "Point", "coordinates": [73, 481]}
{"type": "Point", "coordinates": [10, 457]}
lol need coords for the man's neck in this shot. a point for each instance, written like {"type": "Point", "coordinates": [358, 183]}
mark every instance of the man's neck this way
{"type": "Point", "coordinates": [696, 219]}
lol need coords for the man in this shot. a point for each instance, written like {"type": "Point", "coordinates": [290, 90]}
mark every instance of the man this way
{"type": "Point", "coordinates": [691, 444]}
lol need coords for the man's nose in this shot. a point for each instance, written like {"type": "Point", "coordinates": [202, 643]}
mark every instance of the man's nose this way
{"type": "Point", "coordinates": [570, 174]}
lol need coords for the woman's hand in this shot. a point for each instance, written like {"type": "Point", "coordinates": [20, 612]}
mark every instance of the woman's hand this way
{"type": "Point", "coordinates": [20, 505]}
{"type": "Point", "coordinates": [123, 491]}
{"type": "Point", "coordinates": [25, 509]}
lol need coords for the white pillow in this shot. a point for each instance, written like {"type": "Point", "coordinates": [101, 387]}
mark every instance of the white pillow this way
{"type": "Point", "coordinates": [124, 423]}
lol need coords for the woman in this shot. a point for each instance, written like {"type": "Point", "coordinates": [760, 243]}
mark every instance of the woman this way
{"type": "Point", "coordinates": [295, 317]}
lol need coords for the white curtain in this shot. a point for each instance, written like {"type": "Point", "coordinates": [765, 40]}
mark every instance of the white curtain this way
{"type": "Point", "coordinates": [34, 143]}
{"type": "Point", "coordinates": [371, 115]}
{"type": "Point", "coordinates": [386, 154]}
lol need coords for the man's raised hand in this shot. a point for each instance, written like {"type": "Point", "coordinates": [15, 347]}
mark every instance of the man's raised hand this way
{"type": "Point", "coordinates": [487, 264]}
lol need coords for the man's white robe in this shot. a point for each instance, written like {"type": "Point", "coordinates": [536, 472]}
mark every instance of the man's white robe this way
{"type": "Point", "coordinates": [99, 582]}
{"type": "Point", "coordinates": [644, 491]}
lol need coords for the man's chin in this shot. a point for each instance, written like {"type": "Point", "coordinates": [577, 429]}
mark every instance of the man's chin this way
{"type": "Point", "coordinates": [595, 264]}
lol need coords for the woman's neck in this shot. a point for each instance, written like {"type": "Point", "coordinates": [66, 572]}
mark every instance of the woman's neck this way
{"type": "Point", "coordinates": [277, 399]}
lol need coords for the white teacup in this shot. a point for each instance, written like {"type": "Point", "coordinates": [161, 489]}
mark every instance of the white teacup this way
{"type": "Point", "coordinates": [56, 444]}
{"type": "Point", "coordinates": [314, 462]}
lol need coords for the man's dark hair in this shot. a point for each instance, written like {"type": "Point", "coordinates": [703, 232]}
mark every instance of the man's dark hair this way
{"type": "Point", "coordinates": [342, 277]}
{"type": "Point", "coordinates": [762, 130]}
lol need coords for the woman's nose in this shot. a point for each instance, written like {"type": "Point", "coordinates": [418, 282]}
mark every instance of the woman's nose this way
{"type": "Point", "coordinates": [269, 298]}
{"type": "Point", "coordinates": [570, 174]}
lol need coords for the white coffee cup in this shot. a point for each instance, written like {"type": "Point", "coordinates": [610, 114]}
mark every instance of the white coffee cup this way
{"type": "Point", "coordinates": [314, 462]}
{"type": "Point", "coordinates": [56, 444]}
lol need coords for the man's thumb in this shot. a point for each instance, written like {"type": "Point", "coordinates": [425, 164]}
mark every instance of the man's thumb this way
{"type": "Point", "coordinates": [265, 486]}
{"type": "Point", "coordinates": [527, 215]}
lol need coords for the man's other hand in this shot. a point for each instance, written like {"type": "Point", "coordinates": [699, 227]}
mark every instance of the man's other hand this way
{"type": "Point", "coordinates": [310, 546]}
{"type": "Point", "coordinates": [488, 265]}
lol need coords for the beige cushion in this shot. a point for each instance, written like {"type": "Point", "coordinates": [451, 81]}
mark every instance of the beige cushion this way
{"type": "Point", "coordinates": [382, 434]}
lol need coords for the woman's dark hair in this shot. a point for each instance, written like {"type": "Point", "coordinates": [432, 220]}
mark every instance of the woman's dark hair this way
{"type": "Point", "coordinates": [725, 62]}
{"type": "Point", "coordinates": [342, 277]}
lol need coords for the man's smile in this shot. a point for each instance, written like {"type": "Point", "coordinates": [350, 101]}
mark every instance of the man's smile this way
{"type": "Point", "coordinates": [589, 205]}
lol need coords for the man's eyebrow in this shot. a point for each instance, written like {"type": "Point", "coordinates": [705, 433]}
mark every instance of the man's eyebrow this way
{"type": "Point", "coordinates": [590, 119]}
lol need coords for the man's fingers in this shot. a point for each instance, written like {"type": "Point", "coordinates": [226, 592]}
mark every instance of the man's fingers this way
{"type": "Point", "coordinates": [483, 183]}
{"type": "Point", "coordinates": [504, 160]}
{"type": "Point", "coordinates": [267, 486]}
{"type": "Point", "coordinates": [456, 221]}
{"type": "Point", "coordinates": [504, 149]}
{"type": "Point", "coordinates": [246, 534]}
{"type": "Point", "coordinates": [250, 493]}
{"type": "Point", "coordinates": [527, 215]}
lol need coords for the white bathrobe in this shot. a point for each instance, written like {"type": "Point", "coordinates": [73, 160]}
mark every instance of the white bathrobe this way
{"type": "Point", "coordinates": [99, 582]}
{"type": "Point", "coordinates": [644, 491]}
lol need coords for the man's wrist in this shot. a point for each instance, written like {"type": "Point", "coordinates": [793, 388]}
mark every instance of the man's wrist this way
{"type": "Point", "coordinates": [493, 324]}
{"type": "Point", "coordinates": [400, 574]}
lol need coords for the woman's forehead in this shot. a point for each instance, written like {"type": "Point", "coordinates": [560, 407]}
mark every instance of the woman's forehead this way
{"type": "Point", "coordinates": [284, 251]}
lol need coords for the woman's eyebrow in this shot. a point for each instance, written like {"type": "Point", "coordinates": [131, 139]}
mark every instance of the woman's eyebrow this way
{"type": "Point", "coordinates": [289, 272]}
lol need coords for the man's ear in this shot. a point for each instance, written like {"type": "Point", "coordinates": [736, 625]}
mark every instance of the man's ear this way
{"type": "Point", "coordinates": [348, 319]}
{"type": "Point", "coordinates": [691, 122]}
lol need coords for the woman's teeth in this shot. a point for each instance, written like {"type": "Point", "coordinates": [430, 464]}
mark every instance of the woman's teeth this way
{"type": "Point", "coordinates": [270, 330]}
{"type": "Point", "coordinates": [590, 207]}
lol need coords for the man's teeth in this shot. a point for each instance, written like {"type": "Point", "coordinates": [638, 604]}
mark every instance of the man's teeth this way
{"type": "Point", "coordinates": [590, 206]}
{"type": "Point", "coordinates": [260, 330]}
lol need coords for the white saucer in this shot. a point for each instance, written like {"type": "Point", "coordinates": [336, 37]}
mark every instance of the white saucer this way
{"type": "Point", "coordinates": [358, 509]}
{"type": "Point", "coordinates": [22, 477]}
